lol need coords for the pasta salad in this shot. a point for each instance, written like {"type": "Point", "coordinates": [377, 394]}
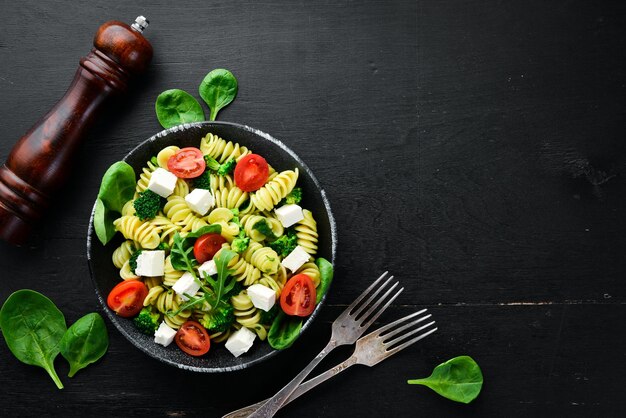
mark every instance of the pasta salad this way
{"type": "Point", "coordinates": [217, 250]}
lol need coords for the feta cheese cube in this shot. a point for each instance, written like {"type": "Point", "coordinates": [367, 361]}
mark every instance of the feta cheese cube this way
{"type": "Point", "coordinates": [186, 284]}
{"type": "Point", "coordinates": [296, 258]}
{"type": "Point", "coordinates": [209, 268]}
{"type": "Point", "coordinates": [151, 263]}
{"type": "Point", "coordinates": [164, 335]}
{"type": "Point", "coordinates": [200, 201]}
{"type": "Point", "coordinates": [289, 215]}
{"type": "Point", "coordinates": [162, 182]}
{"type": "Point", "coordinates": [240, 341]}
{"type": "Point", "coordinates": [262, 297]}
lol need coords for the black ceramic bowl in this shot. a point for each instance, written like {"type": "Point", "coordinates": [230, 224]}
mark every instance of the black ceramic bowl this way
{"type": "Point", "coordinates": [105, 276]}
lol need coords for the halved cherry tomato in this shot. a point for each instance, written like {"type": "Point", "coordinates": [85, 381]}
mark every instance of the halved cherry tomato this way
{"type": "Point", "coordinates": [206, 246]}
{"type": "Point", "coordinates": [298, 296]}
{"type": "Point", "coordinates": [251, 173]}
{"type": "Point", "coordinates": [187, 163]}
{"type": "Point", "coordinates": [126, 299]}
{"type": "Point", "coordinates": [193, 339]}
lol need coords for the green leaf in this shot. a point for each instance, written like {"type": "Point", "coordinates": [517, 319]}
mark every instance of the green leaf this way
{"type": "Point", "coordinates": [174, 107]}
{"type": "Point", "coordinates": [33, 327]}
{"type": "Point", "coordinates": [103, 222]}
{"type": "Point", "coordinates": [218, 89]}
{"type": "Point", "coordinates": [118, 186]}
{"type": "Point", "coordinates": [284, 331]}
{"type": "Point", "coordinates": [220, 287]}
{"type": "Point", "coordinates": [264, 228]}
{"type": "Point", "coordinates": [326, 277]}
{"type": "Point", "coordinates": [84, 342]}
{"type": "Point", "coordinates": [458, 379]}
{"type": "Point", "coordinates": [182, 248]}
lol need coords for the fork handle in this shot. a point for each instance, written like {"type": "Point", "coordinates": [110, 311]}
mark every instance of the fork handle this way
{"type": "Point", "coordinates": [269, 408]}
{"type": "Point", "coordinates": [300, 390]}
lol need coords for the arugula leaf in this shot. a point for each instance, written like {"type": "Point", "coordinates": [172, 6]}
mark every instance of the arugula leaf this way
{"type": "Point", "coordinates": [182, 249]}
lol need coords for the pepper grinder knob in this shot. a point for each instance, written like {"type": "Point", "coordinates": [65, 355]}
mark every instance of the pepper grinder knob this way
{"type": "Point", "coordinates": [40, 161]}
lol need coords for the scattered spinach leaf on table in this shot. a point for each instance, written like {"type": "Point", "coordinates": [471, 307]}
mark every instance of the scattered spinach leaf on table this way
{"type": "Point", "coordinates": [458, 379]}
{"type": "Point", "coordinates": [218, 89]}
{"type": "Point", "coordinates": [84, 342]}
{"type": "Point", "coordinates": [33, 327]}
{"type": "Point", "coordinates": [176, 106]}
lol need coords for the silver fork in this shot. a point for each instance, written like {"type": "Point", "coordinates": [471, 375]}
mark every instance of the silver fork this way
{"type": "Point", "coordinates": [346, 329]}
{"type": "Point", "coordinates": [370, 350]}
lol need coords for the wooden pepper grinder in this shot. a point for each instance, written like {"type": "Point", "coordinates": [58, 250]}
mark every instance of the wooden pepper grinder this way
{"type": "Point", "coordinates": [40, 161]}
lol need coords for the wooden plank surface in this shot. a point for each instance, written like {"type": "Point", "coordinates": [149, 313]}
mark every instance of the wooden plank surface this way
{"type": "Point", "coordinates": [473, 148]}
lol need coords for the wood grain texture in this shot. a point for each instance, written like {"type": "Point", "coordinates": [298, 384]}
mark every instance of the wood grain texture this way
{"type": "Point", "coordinates": [473, 148]}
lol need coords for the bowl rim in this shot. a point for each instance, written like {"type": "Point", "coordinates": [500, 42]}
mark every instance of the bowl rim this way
{"type": "Point", "coordinates": [333, 230]}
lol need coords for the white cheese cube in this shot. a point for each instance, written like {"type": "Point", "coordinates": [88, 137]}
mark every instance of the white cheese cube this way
{"type": "Point", "coordinates": [239, 342]}
{"type": "Point", "coordinates": [262, 297]}
{"type": "Point", "coordinates": [162, 182]}
{"type": "Point", "coordinates": [164, 335]}
{"type": "Point", "coordinates": [186, 284]}
{"type": "Point", "coordinates": [200, 201]}
{"type": "Point", "coordinates": [296, 258]}
{"type": "Point", "coordinates": [289, 215]}
{"type": "Point", "coordinates": [151, 263]}
{"type": "Point", "coordinates": [208, 267]}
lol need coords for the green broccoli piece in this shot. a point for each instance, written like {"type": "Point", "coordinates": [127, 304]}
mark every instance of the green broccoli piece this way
{"type": "Point", "coordinates": [133, 260]}
{"type": "Point", "coordinates": [147, 205]}
{"type": "Point", "coordinates": [219, 319]}
{"type": "Point", "coordinates": [240, 244]}
{"type": "Point", "coordinates": [237, 288]}
{"type": "Point", "coordinates": [202, 182]}
{"type": "Point", "coordinates": [293, 198]}
{"type": "Point", "coordinates": [163, 246]}
{"type": "Point", "coordinates": [268, 317]}
{"type": "Point", "coordinates": [285, 244]}
{"type": "Point", "coordinates": [147, 321]}
{"type": "Point", "coordinates": [227, 167]}
{"type": "Point", "coordinates": [220, 169]}
{"type": "Point", "coordinates": [154, 161]}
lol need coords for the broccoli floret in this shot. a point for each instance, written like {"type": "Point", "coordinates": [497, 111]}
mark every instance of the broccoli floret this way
{"type": "Point", "coordinates": [268, 317]}
{"type": "Point", "coordinates": [227, 167]}
{"type": "Point", "coordinates": [293, 198]}
{"type": "Point", "coordinates": [147, 205]}
{"type": "Point", "coordinates": [202, 182]}
{"type": "Point", "coordinates": [285, 244]}
{"type": "Point", "coordinates": [163, 246]}
{"type": "Point", "coordinates": [220, 169]}
{"type": "Point", "coordinates": [219, 319]}
{"type": "Point", "coordinates": [154, 161]}
{"type": "Point", "coordinates": [237, 288]}
{"type": "Point", "coordinates": [240, 244]}
{"type": "Point", "coordinates": [147, 321]}
{"type": "Point", "coordinates": [133, 260]}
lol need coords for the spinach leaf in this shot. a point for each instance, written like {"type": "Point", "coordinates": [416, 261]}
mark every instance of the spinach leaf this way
{"type": "Point", "coordinates": [182, 249]}
{"type": "Point", "coordinates": [176, 106]}
{"type": "Point", "coordinates": [84, 342]}
{"type": "Point", "coordinates": [284, 331]}
{"type": "Point", "coordinates": [458, 379]}
{"type": "Point", "coordinates": [32, 327]}
{"type": "Point", "coordinates": [218, 89]}
{"type": "Point", "coordinates": [118, 186]}
{"type": "Point", "coordinates": [326, 277]}
{"type": "Point", "coordinates": [103, 222]}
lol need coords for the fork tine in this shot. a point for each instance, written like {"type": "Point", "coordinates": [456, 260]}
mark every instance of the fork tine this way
{"type": "Point", "coordinates": [387, 327]}
{"type": "Point", "coordinates": [388, 338]}
{"type": "Point", "coordinates": [403, 337]}
{"type": "Point", "coordinates": [373, 313]}
{"type": "Point", "coordinates": [355, 312]}
{"type": "Point", "coordinates": [366, 291]}
{"type": "Point", "coordinates": [410, 342]}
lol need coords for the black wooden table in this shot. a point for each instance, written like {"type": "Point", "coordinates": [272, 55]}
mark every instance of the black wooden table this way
{"type": "Point", "coordinates": [475, 149]}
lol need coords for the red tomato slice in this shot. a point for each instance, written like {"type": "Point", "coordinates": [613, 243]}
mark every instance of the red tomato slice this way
{"type": "Point", "coordinates": [193, 339]}
{"type": "Point", "coordinates": [187, 163]}
{"type": "Point", "coordinates": [298, 296]}
{"type": "Point", "coordinates": [126, 299]}
{"type": "Point", "coordinates": [251, 173]}
{"type": "Point", "coordinates": [206, 246]}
